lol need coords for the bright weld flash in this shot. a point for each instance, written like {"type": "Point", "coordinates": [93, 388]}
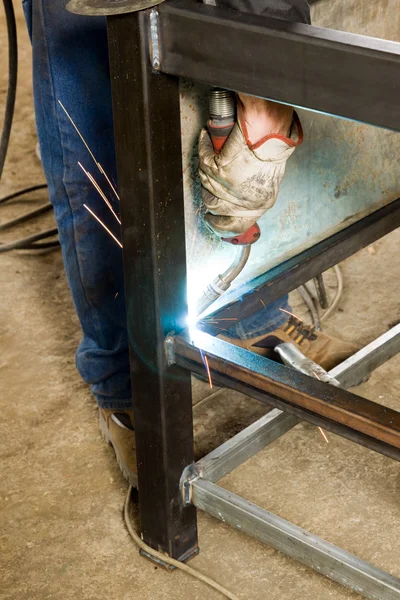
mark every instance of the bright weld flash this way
{"type": "Point", "coordinates": [198, 280]}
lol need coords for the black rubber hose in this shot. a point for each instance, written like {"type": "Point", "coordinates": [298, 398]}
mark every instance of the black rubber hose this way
{"type": "Point", "coordinates": [27, 216]}
{"type": "Point", "coordinates": [28, 242]}
{"type": "Point", "coordinates": [33, 188]}
{"type": "Point", "coordinates": [12, 80]}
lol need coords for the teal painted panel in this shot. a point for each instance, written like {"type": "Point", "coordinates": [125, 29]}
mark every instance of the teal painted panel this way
{"type": "Point", "coordinates": [342, 172]}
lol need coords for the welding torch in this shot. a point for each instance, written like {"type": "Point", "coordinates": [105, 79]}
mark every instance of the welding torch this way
{"type": "Point", "coordinates": [222, 109]}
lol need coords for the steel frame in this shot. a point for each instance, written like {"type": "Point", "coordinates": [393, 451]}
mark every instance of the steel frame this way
{"type": "Point", "coordinates": [170, 39]}
{"type": "Point", "coordinates": [330, 71]}
{"type": "Point", "coordinates": [270, 529]}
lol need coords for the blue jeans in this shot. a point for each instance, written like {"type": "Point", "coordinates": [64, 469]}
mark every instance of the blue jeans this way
{"type": "Point", "coordinates": [70, 64]}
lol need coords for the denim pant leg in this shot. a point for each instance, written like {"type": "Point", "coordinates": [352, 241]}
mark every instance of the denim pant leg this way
{"type": "Point", "coordinates": [264, 321]}
{"type": "Point", "coordinates": [70, 64]}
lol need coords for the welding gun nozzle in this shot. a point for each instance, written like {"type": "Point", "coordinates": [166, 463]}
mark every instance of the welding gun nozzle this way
{"type": "Point", "coordinates": [212, 292]}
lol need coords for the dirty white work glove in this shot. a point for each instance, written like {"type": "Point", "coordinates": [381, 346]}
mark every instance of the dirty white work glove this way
{"type": "Point", "coordinates": [242, 182]}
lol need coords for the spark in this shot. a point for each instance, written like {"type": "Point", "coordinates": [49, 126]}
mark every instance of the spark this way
{"type": "Point", "coordinates": [316, 375]}
{"type": "Point", "coordinates": [291, 314]}
{"type": "Point", "coordinates": [102, 194]}
{"type": "Point", "coordinates": [115, 297]}
{"type": "Point", "coordinates": [207, 367]}
{"type": "Point", "coordinates": [218, 320]}
{"type": "Point", "coordinates": [102, 224]}
{"type": "Point", "coordinates": [208, 371]}
{"type": "Point", "coordinates": [263, 303]}
{"type": "Point", "coordinates": [98, 165]}
{"type": "Point", "coordinates": [202, 321]}
{"type": "Point", "coordinates": [323, 435]}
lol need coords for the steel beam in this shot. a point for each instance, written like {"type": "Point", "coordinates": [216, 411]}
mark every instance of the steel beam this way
{"type": "Point", "coordinates": [309, 549]}
{"type": "Point", "coordinates": [249, 298]}
{"type": "Point", "coordinates": [330, 71]}
{"type": "Point", "coordinates": [355, 369]}
{"type": "Point", "coordinates": [244, 445]}
{"type": "Point", "coordinates": [337, 410]}
{"type": "Point", "coordinates": [149, 161]}
{"type": "Point", "coordinates": [264, 431]}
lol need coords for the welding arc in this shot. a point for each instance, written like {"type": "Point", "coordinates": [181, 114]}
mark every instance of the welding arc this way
{"type": "Point", "coordinates": [167, 559]}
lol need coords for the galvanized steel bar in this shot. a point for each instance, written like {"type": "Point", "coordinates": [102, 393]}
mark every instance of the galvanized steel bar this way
{"type": "Point", "coordinates": [355, 369]}
{"type": "Point", "coordinates": [309, 549]}
{"type": "Point", "coordinates": [244, 445]}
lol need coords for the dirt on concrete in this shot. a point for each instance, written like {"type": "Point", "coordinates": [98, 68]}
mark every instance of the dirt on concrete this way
{"type": "Point", "coordinates": [61, 494]}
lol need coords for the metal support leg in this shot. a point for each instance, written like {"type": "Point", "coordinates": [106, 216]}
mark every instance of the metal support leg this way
{"type": "Point", "coordinates": [149, 161]}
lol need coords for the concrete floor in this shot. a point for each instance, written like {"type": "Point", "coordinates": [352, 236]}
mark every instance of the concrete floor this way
{"type": "Point", "coordinates": [61, 493]}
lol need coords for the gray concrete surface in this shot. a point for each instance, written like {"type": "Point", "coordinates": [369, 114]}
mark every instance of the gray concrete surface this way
{"type": "Point", "coordinates": [61, 494]}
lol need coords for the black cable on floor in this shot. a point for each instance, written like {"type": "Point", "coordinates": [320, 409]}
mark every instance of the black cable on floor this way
{"type": "Point", "coordinates": [12, 80]}
{"type": "Point", "coordinates": [33, 188]}
{"type": "Point", "coordinates": [31, 242]}
{"type": "Point", "coordinates": [28, 243]}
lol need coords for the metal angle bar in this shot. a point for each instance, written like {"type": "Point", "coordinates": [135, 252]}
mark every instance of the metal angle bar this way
{"type": "Point", "coordinates": [250, 297]}
{"type": "Point", "coordinates": [229, 455]}
{"type": "Point", "coordinates": [334, 72]}
{"type": "Point", "coordinates": [337, 410]}
{"type": "Point", "coordinates": [309, 549]}
{"type": "Point", "coordinates": [355, 369]}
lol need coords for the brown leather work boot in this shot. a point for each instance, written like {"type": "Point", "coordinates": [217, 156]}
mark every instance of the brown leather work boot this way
{"type": "Point", "coordinates": [324, 350]}
{"type": "Point", "coordinates": [117, 429]}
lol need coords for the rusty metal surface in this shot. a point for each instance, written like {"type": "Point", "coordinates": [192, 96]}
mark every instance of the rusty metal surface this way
{"type": "Point", "coordinates": [277, 381]}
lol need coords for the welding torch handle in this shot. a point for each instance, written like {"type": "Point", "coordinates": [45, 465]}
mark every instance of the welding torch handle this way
{"type": "Point", "coordinates": [219, 134]}
{"type": "Point", "coordinates": [222, 109]}
{"type": "Point", "coordinates": [220, 125]}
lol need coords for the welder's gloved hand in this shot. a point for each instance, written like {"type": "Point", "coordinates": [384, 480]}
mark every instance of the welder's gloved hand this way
{"type": "Point", "coordinates": [242, 182]}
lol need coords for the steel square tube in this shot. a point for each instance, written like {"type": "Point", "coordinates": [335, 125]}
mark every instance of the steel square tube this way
{"type": "Point", "coordinates": [353, 371]}
{"type": "Point", "coordinates": [309, 549]}
{"type": "Point", "coordinates": [270, 427]}
{"type": "Point", "coordinates": [245, 444]}
{"type": "Point", "coordinates": [337, 410]}
{"type": "Point", "coordinates": [330, 71]}
{"type": "Point", "coordinates": [149, 162]}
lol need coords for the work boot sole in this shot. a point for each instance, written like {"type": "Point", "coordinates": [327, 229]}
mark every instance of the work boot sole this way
{"type": "Point", "coordinates": [129, 475]}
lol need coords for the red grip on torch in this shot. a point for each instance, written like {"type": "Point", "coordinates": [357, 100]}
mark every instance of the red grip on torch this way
{"type": "Point", "coordinates": [219, 134]}
{"type": "Point", "coordinates": [249, 237]}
